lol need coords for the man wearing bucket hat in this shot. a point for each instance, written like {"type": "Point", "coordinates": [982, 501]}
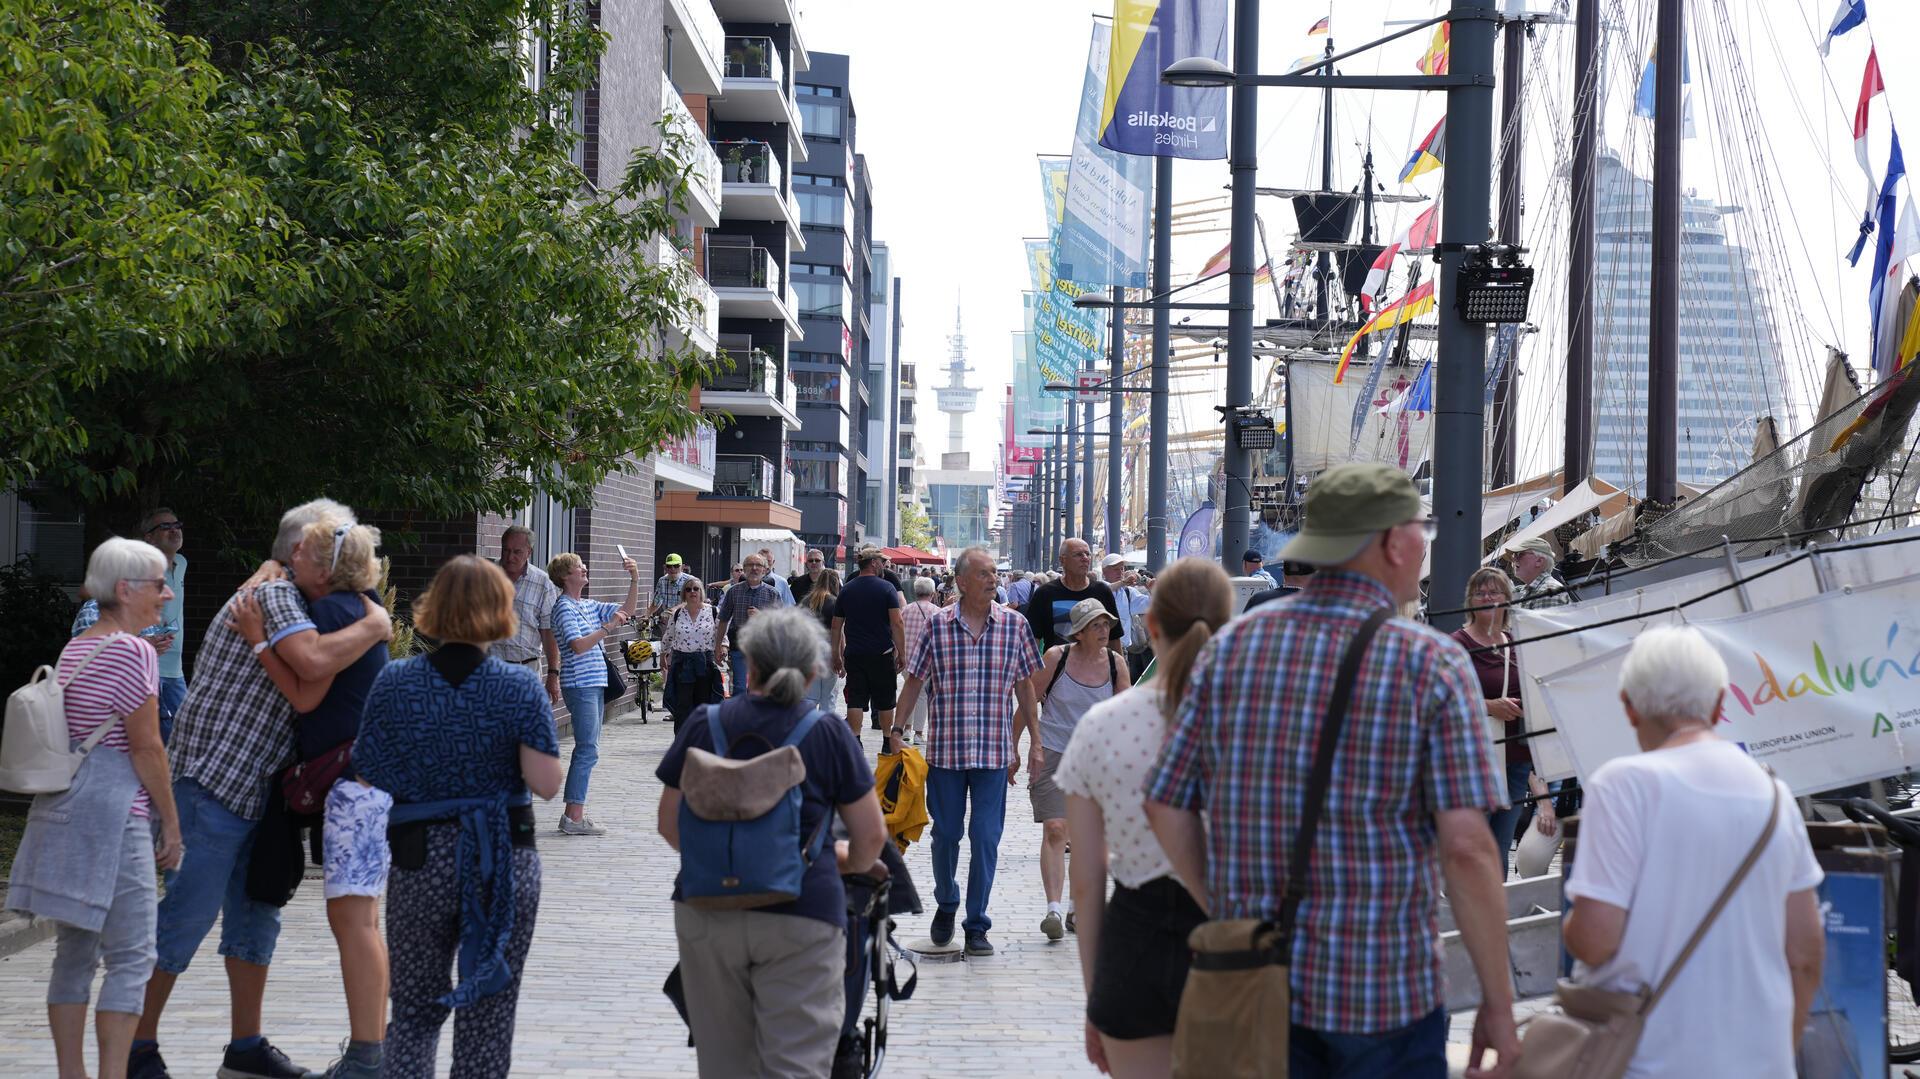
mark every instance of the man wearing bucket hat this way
{"type": "Point", "coordinates": [1411, 783]}
{"type": "Point", "coordinates": [1535, 584]}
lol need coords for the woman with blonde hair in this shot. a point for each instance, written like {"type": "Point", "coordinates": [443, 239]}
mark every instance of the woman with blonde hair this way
{"type": "Point", "coordinates": [1488, 643]}
{"type": "Point", "coordinates": [1133, 948]}
{"type": "Point", "coordinates": [334, 564]}
{"type": "Point", "coordinates": [822, 599]}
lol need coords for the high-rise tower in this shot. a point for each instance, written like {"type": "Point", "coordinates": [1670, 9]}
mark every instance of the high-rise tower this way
{"type": "Point", "coordinates": [957, 399]}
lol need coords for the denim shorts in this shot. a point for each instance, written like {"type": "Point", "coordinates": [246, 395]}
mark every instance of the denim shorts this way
{"type": "Point", "coordinates": [212, 883]}
{"type": "Point", "coordinates": [355, 839]}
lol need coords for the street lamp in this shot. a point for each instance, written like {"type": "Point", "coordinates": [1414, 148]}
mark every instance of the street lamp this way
{"type": "Point", "coordinates": [1198, 72]}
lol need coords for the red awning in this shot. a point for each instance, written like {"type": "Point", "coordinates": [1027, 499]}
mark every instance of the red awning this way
{"type": "Point", "coordinates": [918, 557]}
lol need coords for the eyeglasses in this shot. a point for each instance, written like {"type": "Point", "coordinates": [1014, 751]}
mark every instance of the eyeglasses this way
{"type": "Point", "coordinates": [165, 526]}
{"type": "Point", "coordinates": [815, 562]}
{"type": "Point", "coordinates": [1428, 527]}
{"type": "Point", "coordinates": [158, 583]}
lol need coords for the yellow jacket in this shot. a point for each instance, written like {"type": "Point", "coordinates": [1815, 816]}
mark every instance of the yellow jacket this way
{"type": "Point", "coordinates": [901, 781]}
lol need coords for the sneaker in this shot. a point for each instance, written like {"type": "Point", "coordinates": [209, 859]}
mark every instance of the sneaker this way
{"type": "Point", "coordinates": [345, 1067]}
{"type": "Point", "coordinates": [1051, 926]}
{"type": "Point", "coordinates": [848, 1058]}
{"type": "Point", "coordinates": [263, 1061]}
{"type": "Point", "coordinates": [977, 942]}
{"type": "Point", "coordinates": [1070, 926]}
{"type": "Point", "coordinates": [146, 1064]}
{"type": "Point", "coordinates": [942, 930]}
{"type": "Point", "coordinates": [583, 826]}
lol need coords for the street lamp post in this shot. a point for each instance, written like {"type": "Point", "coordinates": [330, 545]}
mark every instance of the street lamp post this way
{"type": "Point", "coordinates": [1116, 357]}
{"type": "Point", "coordinates": [1237, 462]}
{"type": "Point", "coordinates": [1086, 475]}
{"type": "Point", "coordinates": [1066, 500]}
{"type": "Point", "coordinates": [1158, 445]}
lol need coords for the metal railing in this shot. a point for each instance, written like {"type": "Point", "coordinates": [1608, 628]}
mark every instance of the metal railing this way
{"type": "Point", "coordinates": [754, 58]}
{"type": "Point", "coordinates": [749, 161]}
{"type": "Point", "coordinates": [754, 371]}
{"type": "Point", "coordinates": [742, 267]}
{"type": "Point", "coordinates": [709, 318]}
{"type": "Point", "coordinates": [705, 173]}
{"type": "Point", "coordinates": [743, 475]}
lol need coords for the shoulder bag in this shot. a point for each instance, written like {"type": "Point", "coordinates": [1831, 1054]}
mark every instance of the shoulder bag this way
{"type": "Point", "coordinates": [1237, 1005]}
{"type": "Point", "coordinates": [1593, 1033]}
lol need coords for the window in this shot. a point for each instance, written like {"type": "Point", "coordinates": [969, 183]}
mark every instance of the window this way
{"type": "Point", "coordinates": [807, 179]}
{"type": "Point", "coordinates": [816, 268]}
{"type": "Point", "coordinates": [820, 387]}
{"type": "Point", "coordinates": [819, 120]}
{"type": "Point", "coordinates": [822, 207]}
{"type": "Point", "coordinates": [46, 529]}
{"type": "Point", "coordinates": [807, 89]}
{"type": "Point", "coordinates": [820, 476]}
{"type": "Point", "coordinates": [820, 299]}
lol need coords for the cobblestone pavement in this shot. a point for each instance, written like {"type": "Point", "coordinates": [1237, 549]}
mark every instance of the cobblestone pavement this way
{"type": "Point", "coordinates": [591, 1005]}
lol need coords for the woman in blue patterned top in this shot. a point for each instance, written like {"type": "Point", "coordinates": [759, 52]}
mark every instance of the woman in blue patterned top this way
{"type": "Point", "coordinates": [582, 625]}
{"type": "Point", "coordinates": [459, 738]}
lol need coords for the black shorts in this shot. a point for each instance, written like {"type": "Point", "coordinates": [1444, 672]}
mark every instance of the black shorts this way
{"type": "Point", "coordinates": [871, 686]}
{"type": "Point", "coordinates": [1142, 963]}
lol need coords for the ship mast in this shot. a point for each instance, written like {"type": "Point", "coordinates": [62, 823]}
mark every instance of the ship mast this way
{"type": "Point", "coordinates": [1577, 461]}
{"type": "Point", "coordinates": [1663, 329]}
{"type": "Point", "coordinates": [1513, 73]}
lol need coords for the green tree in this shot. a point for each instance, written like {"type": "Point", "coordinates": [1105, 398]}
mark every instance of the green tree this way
{"type": "Point", "coordinates": [443, 313]}
{"type": "Point", "coordinates": [915, 529]}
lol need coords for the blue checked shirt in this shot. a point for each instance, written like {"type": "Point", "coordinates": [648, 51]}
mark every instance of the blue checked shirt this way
{"type": "Point", "coordinates": [572, 620]}
{"type": "Point", "coordinates": [969, 686]}
{"type": "Point", "coordinates": [1366, 957]}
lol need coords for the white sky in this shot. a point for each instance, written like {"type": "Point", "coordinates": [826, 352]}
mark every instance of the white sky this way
{"type": "Point", "coordinates": [955, 103]}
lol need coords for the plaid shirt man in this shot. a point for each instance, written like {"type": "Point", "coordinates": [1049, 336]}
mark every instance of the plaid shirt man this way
{"type": "Point", "coordinates": [235, 730]}
{"type": "Point", "coordinates": [534, 595]}
{"type": "Point", "coordinates": [742, 598]}
{"type": "Point", "coordinates": [970, 680]}
{"type": "Point", "coordinates": [1543, 591]}
{"type": "Point", "coordinates": [666, 589]}
{"type": "Point", "coordinates": [1241, 749]}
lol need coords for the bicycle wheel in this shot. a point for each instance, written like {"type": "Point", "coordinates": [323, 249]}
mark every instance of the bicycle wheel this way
{"type": "Point", "coordinates": [1903, 1018]}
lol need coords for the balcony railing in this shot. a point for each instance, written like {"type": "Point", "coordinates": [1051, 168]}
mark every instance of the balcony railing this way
{"type": "Point", "coordinates": [742, 267]}
{"type": "Point", "coordinates": [708, 321]}
{"type": "Point", "coordinates": [749, 161]}
{"type": "Point", "coordinates": [754, 371]}
{"type": "Point", "coordinates": [706, 29]}
{"type": "Point", "coordinates": [705, 162]}
{"type": "Point", "coordinates": [754, 58]}
{"type": "Point", "coordinates": [695, 451]}
{"type": "Point", "coordinates": [742, 475]}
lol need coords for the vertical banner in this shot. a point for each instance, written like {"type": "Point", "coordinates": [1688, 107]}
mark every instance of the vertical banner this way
{"type": "Point", "coordinates": [1065, 337]}
{"type": "Point", "coordinates": [1033, 406]}
{"type": "Point", "coordinates": [1196, 536]}
{"type": "Point", "coordinates": [1140, 114]}
{"type": "Point", "coordinates": [1103, 237]}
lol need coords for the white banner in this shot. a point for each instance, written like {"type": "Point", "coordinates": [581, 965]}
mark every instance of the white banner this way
{"type": "Point", "coordinates": [1824, 690]}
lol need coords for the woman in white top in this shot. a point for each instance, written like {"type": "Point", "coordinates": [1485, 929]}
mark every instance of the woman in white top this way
{"type": "Point", "coordinates": [1133, 954]}
{"type": "Point", "coordinates": [686, 648]}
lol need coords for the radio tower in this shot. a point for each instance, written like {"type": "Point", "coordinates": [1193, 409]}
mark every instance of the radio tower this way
{"type": "Point", "coordinates": [957, 398]}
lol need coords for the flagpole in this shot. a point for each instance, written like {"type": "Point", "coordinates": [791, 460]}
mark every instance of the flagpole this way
{"type": "Point", "coordinates": [1663, 328]}
{"type": "Point", "coordinates": [1460, 373]}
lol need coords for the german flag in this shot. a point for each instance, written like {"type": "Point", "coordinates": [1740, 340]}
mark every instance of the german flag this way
{"type": "Point", "coordinates": [1429, 155]}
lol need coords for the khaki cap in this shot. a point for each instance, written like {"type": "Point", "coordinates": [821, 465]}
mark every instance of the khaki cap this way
{"type": "Point", "coordinates": [1537, 545]}
{"type": "Point", "coordinates": [867, 553]}
{"type": "Point", "coordinates": [1347, 505]}
{"type": "Point", "coordinates": [1083, 614]}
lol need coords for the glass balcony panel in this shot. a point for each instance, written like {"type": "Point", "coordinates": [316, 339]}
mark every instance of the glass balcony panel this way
{"type": "Point", "coordinates": [749, 161]}
{"type": "Point", "coordinates": [743, 475]}
{"type": "Point", "coordinates": [754, 58]}
{"type": "Point", "coordinates": [742, 267]}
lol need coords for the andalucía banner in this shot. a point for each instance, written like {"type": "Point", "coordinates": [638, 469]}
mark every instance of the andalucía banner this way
{"type": "Point", "coordinates": [1825, 691]}
{"type": "Point", "coordinates": [1103, 239]}
{"type": "Point", "coordinates": [1145, 116]}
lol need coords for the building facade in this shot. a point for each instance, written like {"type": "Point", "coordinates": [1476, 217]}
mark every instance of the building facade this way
{"type": "Point", "coordinates": [1730, 367]}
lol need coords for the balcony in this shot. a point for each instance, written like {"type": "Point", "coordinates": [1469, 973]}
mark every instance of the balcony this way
{"type": "Point", "coordinates": [748, 281]}
{"type": "Point", "coordinates": [703, 179]}
{"type": "Point", "coordinates": [756, 386]}
{"type": "Point", "coordinates": [753, 87]}
{"type": "Point", "coordinates": [754, 186]}
{"type": "Point", "coordinates": [687, 462]}
{"type": "Point", "coordinates": [748, 477]}
{"type": "Point", "coordinates": [695, 43]}
{"type": "Point", "coordinates": [704, 331]}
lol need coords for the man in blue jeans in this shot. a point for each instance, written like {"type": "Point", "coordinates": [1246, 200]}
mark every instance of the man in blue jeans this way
{"type": "Point", "coordinates": [234, 733]}
{"type": "Point", "coordinates": [973, 662]}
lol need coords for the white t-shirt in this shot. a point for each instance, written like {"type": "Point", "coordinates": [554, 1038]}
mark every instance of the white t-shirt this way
{"type": "Point", "coordinates": [1661, 833]}
{"type": "Point", "coordinates": [1107, 760]}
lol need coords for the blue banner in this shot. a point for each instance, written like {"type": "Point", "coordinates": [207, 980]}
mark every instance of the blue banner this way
{"type": "Point", "coordinates": [1033, 406]}
{"type": "Point", "coordinates": [1142, 115]}
{"type": "Point", "coordinates": [1066, 338]}
{"type": "Point", "coordinates": [1103, 236]}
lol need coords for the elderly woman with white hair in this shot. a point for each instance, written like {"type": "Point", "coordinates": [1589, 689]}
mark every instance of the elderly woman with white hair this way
{"type": "Point", "coordinates": [764, 990]}
{"type": "Point", "coordinates": [87, 859]}
{"type": "Point", "coordinates": [1665, 833]}
{"type": "Point", "coordinates": [914, 618]}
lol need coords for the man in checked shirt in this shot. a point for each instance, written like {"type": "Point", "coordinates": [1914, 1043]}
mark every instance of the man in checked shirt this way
{"type": "Point", "coordinates": [1414, 776]}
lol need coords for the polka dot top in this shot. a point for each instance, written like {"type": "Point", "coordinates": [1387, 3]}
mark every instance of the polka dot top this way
{"type": "Point", "coordinates": [1112, 750]}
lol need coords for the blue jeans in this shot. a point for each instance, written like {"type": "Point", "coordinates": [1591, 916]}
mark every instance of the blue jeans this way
{"type": "Point", "coordinates": [736, 673]}
{"type": "Point", "coordinates": [1503, 821]}
{"type": "Point", "coordinates": [173, 691]}
{"type": "Point", "coordinates": [1415, 1051]}
{"type": "Point", "coordinates": [948, 790]}
{"type": "Point", "coordinates": [589, 708]}
{"type": "Point", "coordinates": [212, 880]}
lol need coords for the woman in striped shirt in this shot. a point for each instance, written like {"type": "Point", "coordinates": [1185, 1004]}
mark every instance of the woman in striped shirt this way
{"type": "Point", "coordinates": [102, 894]}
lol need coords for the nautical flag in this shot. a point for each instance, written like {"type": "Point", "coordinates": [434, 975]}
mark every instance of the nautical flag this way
{"type": "Point", "coordinates": [1871, 85]}
{"type": "Point", "coordinates": [1896, 169]}
{"type": "Point", "coordinates": [1417, 397]}
{"type": "Point", "coordinates": [1143, 116]}
{"type": "Point", "coordinates": [1222, 262]}
{"type": "Point", "coordinates": [1899, 241]}
{"type": "Point", "coordinates": [1409, 307]}
{"type": "Point", "coordinates": [1438, 55]}
{"type": "Point", "coordinates": [1850, 14]}
{"type": "Point", "coordinates": [1320, 27]}
{"type": "Point", "coordinates": [1419, 236]}
{"type": "Point", "coordinates": [1429, 155]}
{"type": "Point", "coordinates": [1643, 99]}
{"type": "Point", "coordinates": [1307, 60]}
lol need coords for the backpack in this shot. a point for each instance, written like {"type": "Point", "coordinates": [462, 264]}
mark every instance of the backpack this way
{"type": "Point", "coordinates": [1113, 671]}
{"type": "Point", "coordinates": [740, 841]}
{"type": "Point", "coordinates": [36, 753]}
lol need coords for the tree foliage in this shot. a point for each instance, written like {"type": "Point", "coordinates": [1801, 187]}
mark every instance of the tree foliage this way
{"type": "Point", "coordinates": [916, 530]}
{"type": "Point", "coordinates": [420, 303]}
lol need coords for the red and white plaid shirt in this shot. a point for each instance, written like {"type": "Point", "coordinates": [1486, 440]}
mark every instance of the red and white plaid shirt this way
{"type": "Point", "coordinates": [969, 685]}
{"type": "Point", "coordinates": [914, 618]}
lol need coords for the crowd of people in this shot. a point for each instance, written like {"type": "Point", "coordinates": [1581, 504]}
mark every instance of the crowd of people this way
{"type": "Point", "coordinates": [1178, 745]}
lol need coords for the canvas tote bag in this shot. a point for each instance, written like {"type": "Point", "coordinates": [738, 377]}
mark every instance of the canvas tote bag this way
{"type": "Point", "coordinates": [1593, 1033]}
{"type": "Point", "coordinates": [1237, 1005]}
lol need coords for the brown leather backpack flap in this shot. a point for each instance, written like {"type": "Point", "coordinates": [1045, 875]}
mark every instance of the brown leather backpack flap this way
{"type": "Point", "coordinates": [718, 789]}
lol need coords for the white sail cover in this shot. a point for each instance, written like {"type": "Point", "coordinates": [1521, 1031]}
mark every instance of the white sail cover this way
{"type": "Point", "coordinates": [1323, 417]}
